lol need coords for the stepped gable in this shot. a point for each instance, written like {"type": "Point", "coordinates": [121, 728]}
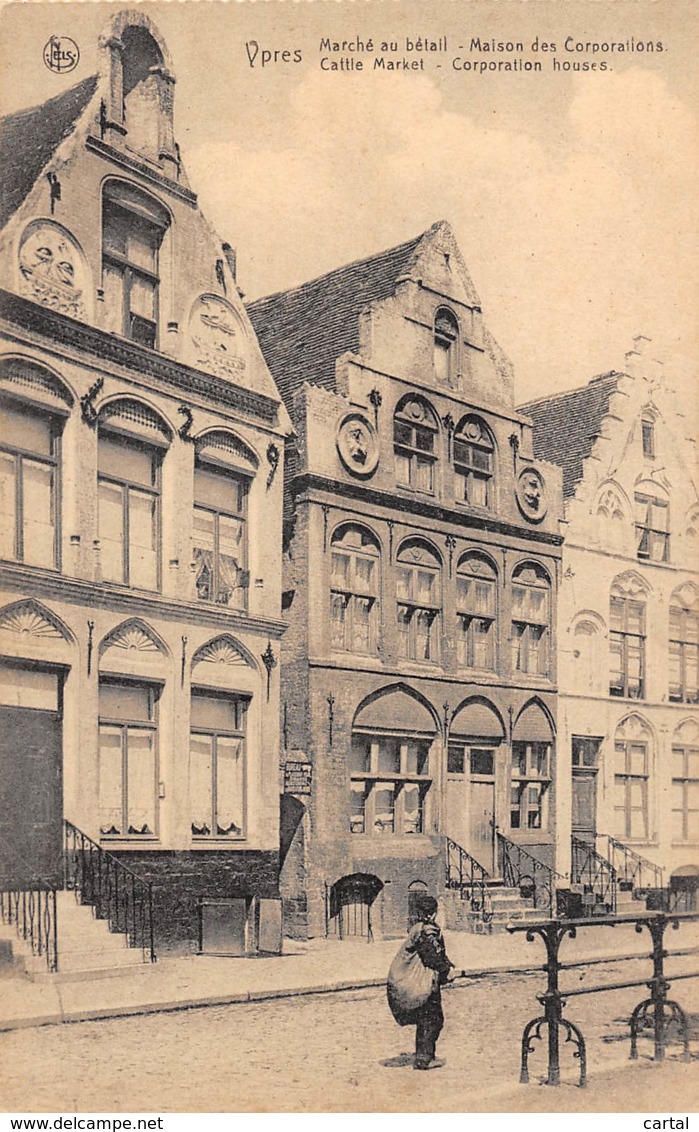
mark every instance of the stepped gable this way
{"type": "Point", "coordinates": [304, 330]}
{"type": "Point", "coordinates": [29, 139]}
{"type": "Point", "coordinates": [567, 424]}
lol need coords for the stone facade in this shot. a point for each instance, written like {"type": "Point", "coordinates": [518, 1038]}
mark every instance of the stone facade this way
{"type": "Point", "coordinates": [421, 574]}
{"type": "Point", "coordinates": [142, 476]}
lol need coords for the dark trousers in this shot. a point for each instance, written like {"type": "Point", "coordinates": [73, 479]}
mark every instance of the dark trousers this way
{"type": "Point", "coordinates": [429, 1024]}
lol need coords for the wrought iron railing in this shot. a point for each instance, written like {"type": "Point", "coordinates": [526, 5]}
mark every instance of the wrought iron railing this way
{"type": "Point", "coordinates": [31, 908]}
{"type": "Point", "coordinates": [634, 873]}
{"type": "Point", "coordinates": [469, 878]}
{"type": "Point", "coordinates": [595, 873]}
{"type": "Point", "coordinates": [113, 891]}
{"type": "Point", "coordinates": [535, 880]}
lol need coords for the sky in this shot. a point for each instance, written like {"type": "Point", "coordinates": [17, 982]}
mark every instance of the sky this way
{"type": "Point", "coordinates": [573, 195]}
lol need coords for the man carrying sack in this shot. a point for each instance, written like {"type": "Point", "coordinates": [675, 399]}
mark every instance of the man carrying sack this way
{"type": "Point", "coordinates": [415, 980]}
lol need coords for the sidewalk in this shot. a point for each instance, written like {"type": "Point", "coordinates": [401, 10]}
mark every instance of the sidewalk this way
{"type": "Point", "coordinates": [317, 966]}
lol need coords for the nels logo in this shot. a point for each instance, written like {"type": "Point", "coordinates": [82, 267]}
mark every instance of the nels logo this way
{"type": "Point", "coordinates": [61, 54]}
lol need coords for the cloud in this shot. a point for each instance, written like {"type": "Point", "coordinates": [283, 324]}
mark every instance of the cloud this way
{"type": "Point", "coordinates": [573, 248]}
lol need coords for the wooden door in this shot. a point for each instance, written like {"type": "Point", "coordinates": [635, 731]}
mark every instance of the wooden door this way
{"type": "Point", "coordinates": [31, 803]}
{"type": "Point", "coordinates": [482, 823]}
{"type": "Point", "coordinates": [584, 803]}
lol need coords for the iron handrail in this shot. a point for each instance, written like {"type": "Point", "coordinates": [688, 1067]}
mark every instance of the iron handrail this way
{"type": "Point", "coordinates": [30, 904]}
{"type": "Point", "coordinates": [534, 879]}
{"type": "Point", "coordinates": [590, 869]}
{"type": "Point", "coordinates": [466, 875]}
{"type": "Point", "coordinates": [114, 891]}
{"type": "Point", "coordinates": [632, 867]}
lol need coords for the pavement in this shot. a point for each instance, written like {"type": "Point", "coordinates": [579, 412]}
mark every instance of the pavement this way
{"type": "Point", "coordinates": [318, 966]}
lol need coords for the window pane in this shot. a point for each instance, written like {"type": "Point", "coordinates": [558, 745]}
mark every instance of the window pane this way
{"type": "Point", "coordinates": [424, 439]}
{"type": "Point", "coordinates": [141, 781]}
{"type": "Point", "coordinates": [142, 298]}
{"type": "Point", "coordinates": [126, 702]}
{"type": "Point", "coordinates": [478, 491]}
{"type": "Point", "coordinates": [201, 783]}
{"type": "Point", "coordinates": [142, 241]}
{"type": "Point", "coordinates": [110, 780]}
{"type": "Point", "coordinates": [8, 506]}
{"type": "Point", "coordinates": [402, 468]}
{"type": "Point", "coordinates": [637, 820]}
{"type": "Point", "coordinates": [220, 490]}
{"type": "Point", "coordinates": [384, 807]}
{"type": "Point", "coordinates": [340, 570]}
{"type": "Point", "coordinates": [634, 617]}
{"type": "Point", "coordinates": [143, 558]}
{"type": "Point", "coordinates": [214, 713]}
{"type": "Point", "coordinates": [111, 531]}
{"type": "Point", "coordinates": [113, 286]}
{"type": "Point", "coordinates": [518, 647]}
{"type": "Point", "coordinates": [389, 756]}
{"type": "Point", "coordinates": [412, 808]}
{"type": "Point", "coordinates": [482, 761]}
{"type": "Point", "coordinates": [403, 580]}
{"type": "Point", "coordinates": [361, 623]}
{"type": "Point", "coordinates": [519, 597]}
{"type": "Point", "coordinates": [38, 514]}
{"type": "Point", "coordinates": [357, 807]}
{"type": "Point", "coordinates": [231, 537]}
{"type": "Point", "coordinates": [426, 587]}
{"type": "Point", "coordinates": [455, 760]}
{"type": "Point", "coordinates": [28, 688]}
{"type": "Point", "coordinates": [423, 474]}
{"type": "Point", "coordinates": [637, 759]}
{"type": "Point", "coordinates": [360, 754]}
{"type": "Point", "coordinates": [338, 607]}
{"type": "Point", "coordinates": [403, 626]}
{"type": "Point", "coordinates": [482, 644]}
{"type": "Point", "coordinates": [203, 550]}
{"type": "Point", "coordinates": [123, 461]}
{"type": "Point", "coordinates": [27, 429]}
{"type": "Point", "coordinates": [417, 757]}
{"type": "Point", "coordinates": [364, 574]}
{"type": "Point", "coordinates": [424, 635]}
{"type": "Point", "coordinates": [229, 786]}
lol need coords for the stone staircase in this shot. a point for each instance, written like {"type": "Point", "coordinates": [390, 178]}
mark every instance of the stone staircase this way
{"type": "Point", "coordinates": [503, 905]}
{"type": "Point", "coordinates": [87, 949]}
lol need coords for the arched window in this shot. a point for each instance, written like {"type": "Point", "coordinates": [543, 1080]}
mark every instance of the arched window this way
{"type": "Point", "coordinates": [532, 741]}
{"type": "Point", "coordinates": [354, 589]}
{"type": "Point", "coordinates": [133, 227]}
{"type": "Point", "coordinates": [684, 646]}
{"type": "Point", "coordinates": [142, 59]}
{"type": "Point", "coordinates": [29, 462]}
{"type": "Point", "coordinates": [476, 597]}
{"type": "Point", "coordinates": [473, 462]}
{"type": "Point", "coordinates": [415, 444]}
{"type": "Point", "coordinates": [685, 782]}
{"type": "Point", "coordinates": [223, 471]}
{"type": "Point", "coordinates": [627, 641]}
{"type": "Point", "coordinates": [132, 440]}
{"type": "Point", "coordinates": [652, 524]}
{"type": "Point", "coordinates": [418, 591]}
{"type": "Point", "coordinates": [648, 435]}
{"type": "Point", "coordinates": [530, 619]}
{"type": "Point", "coordinates": [446, 337]}
{"type": "Point", "coordinates": [611, 515]}
{"type": "Point", "coordinates": [632, 753]}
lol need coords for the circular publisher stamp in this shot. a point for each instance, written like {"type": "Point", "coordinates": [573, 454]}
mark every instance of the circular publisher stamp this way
{"type": "Point", "coordinates": [61, 54]}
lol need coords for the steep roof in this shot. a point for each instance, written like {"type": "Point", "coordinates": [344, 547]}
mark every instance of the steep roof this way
{"type": "Point", "coordinates": [29, 139]}
{"type": "Point", "coordinates": [302, 331]}
{"type": "Point", "coordinates": [566, 425]}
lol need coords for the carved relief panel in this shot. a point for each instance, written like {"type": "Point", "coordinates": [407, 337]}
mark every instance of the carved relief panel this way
{"type": "Point", "coordinates": [52, 269]}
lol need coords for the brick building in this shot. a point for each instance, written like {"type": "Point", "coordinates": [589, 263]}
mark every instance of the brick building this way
{"type": "Point", "coordinates": [628, 754]}
{"type": "Point", "coordinates": [421, 574]}
{"type": "Point", "coordinates": [142, 469]}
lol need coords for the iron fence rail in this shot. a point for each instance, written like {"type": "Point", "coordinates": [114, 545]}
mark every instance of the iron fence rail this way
{"type": "Point", "coordinates": [633, 871]}
{"type": "Point", "coordinates": [594, 873]}
{"type": "Point", "coordinates": [467, 876]}
{"type": "Point", "coordinates": [114, 892]}
{"type": "Point", "coordinates": [535, 880]}
{"type": "Point", "coordinates": [31, 908]}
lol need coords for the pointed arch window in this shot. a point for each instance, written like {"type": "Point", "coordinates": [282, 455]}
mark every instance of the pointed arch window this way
{"type": "Point", "coordinates": [685, 782]}
{"type": "Point", "coordinates": [476, 596]}
{"type": "Point", "coordinates": [531, 613]}
{"type": "Point", "coordinates": [473, 462]}
{"type": "Point", "coordinates": [648, 435]}
{"type": "Point", "coordinates": [446, 336]}
{"type": "Point", "coordinates": [415, 445]}
{"type": "Point", "coordinates": [627, 646]}
{"type": "Point", "coordinates": [684, 647]}
{"type": "Point", "coordinates": [29, 456]}
{"type": "Point", "coordinates": [631, 778]}
{"type": "Point", "coordinates": [354, 589]}
{"type": "Point", "coordinates": [418, 592]}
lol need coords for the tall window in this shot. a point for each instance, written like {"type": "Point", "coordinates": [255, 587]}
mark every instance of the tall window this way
{"type": "Point", "coordinates": [631, 785]}
{"type": "Point", "coordinates": [446, 336]}
{"type": "Point", "coordinates": [127, 758]}
{"type": "Point", "coordinates": [28, 486]}
{"type": "Point", "coordinates": [220, 524]}
{"type": "Point", "coordinates": [414, 445]}
{"type": "Point", "coordinates": [627, 640]}
{"type": "Point", "coordinates": [217, 764]}
{"type": "Point", "coordinates": [133, 226]}
{"type": "Point", "coordinates": [648, 436]}
{"type": "Point", "coordinates": [531, 778]}
{"type": "Point", "coordinates": [684, 649]}
{"type": "Point", "coordinates": [129, 498]}
{"type": "Point", "coordinates": [354, 590]}
{"type": "Point", "coordinates": [419, 602]}
{"type": "Point", "coordinates": [530, 620]}
{"type": "Point", "coordinates": [390, 781]}
{"type": "Point", "coordinates": [685, 792]}
{"type": "Point", "coordinates": [475, 612]}
{"type": "Point", "coordinates": [652, 528]}
{"type": "Point", "coordinates": [473, 463]}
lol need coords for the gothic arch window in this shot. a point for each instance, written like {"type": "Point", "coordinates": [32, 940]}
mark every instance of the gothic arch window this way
{"type": "Point", "coordinates": [632, 771]}
{"type": "Point", "coordinates": [474, 462]}
{"type": "Point", "coordinates": [446, 342]}
{"type": "Point", "coordinates": [419, 601]}
{"type": "Point", "coordinates": [612, 519]}
{"type": "Point", "coordinates": [531, 619]}
{"type": "Point", "coordinates": [648, 440]}
{"type": "Point", "coordinates": [627, 637]}
{"type": "Point", "coordinates": [415, 438]}
{"type": "Point", "coordinates": [685, 782]}
{"type": "Point", "coordinates": [354, 589]}
{"type": "Point", "coordinates": [134, 226]}
{"type": "Point", "coordinates": [587, 630]}
{"type": "Point", "coordinates": [684, 645]}
{"type": "Point", "coordinates": [476, 610]}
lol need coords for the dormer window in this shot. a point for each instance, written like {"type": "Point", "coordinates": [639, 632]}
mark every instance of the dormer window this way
{"type": "Point", "coordinates": [648, 436]}
{"type": "Point", "coordinates": [133, 227]}
{"type": "Point", "coordinates": [446, 334]}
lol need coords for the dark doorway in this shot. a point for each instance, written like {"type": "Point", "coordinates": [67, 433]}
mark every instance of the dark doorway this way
{"type": "Point", "coordinates": [348, 906]}
{"type": "Point", "coordinates": [585, 764]}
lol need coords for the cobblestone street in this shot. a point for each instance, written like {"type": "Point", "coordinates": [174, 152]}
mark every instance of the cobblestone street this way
{"type": "Point", "coordinates": [343, 1052]}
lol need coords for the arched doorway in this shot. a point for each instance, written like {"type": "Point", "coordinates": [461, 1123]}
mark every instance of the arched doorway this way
{"type": "Point", "coordinates": [348, 906]}
{"type": "Point", "coordinates": [475, 736]}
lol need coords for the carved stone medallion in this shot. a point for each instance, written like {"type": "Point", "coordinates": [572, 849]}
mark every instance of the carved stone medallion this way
{"type": "Point", "coordinates": [217, 337]}
{"type": "Point", "coordinates": [51, 269]}
{"type": "Point", "coordinates": [358, 445]}
{"type": "Point", "coordinates": [531, 495]}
